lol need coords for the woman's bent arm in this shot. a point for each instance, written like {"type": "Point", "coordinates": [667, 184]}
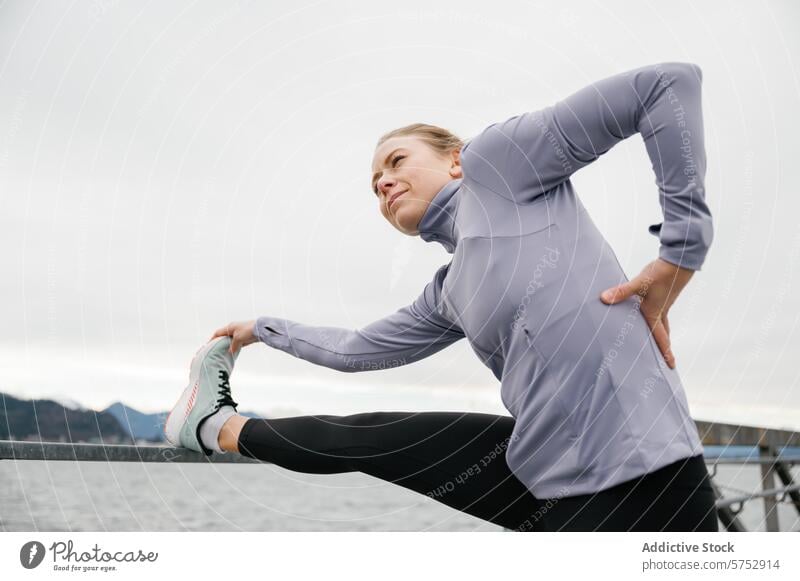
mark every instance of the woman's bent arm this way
{"type": "Point", "coordinates": [407, 335]}
{"type": "Point", "coordinates": [532, 153]}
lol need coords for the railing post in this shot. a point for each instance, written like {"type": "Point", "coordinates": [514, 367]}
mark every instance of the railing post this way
{"type": "Point", "coordinates": [768, 482]}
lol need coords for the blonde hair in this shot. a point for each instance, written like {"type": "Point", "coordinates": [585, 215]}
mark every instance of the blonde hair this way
{"type": "Point", "coordinates": [439, 139]}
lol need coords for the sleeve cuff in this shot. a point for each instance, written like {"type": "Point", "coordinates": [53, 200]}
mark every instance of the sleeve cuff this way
{"type": "Point", "coordinates": [272, 331]}
{"type": "Point", "coordinates": [682, 256]}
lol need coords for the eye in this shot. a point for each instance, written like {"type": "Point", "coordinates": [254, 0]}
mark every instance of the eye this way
{"type": "Point", "coordinates": [395, 159]}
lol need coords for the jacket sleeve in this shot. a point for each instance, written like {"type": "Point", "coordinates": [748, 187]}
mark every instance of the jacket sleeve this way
{"type": "Point", "coordinates": [408, 335]}
{"type": "Point", "coordinates": [531, 153]}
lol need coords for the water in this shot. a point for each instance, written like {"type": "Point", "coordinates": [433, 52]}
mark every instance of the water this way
{"type": "Point", "coordinates": [127, 496]}
{"type": "Point", "coordinates": [123, 496]}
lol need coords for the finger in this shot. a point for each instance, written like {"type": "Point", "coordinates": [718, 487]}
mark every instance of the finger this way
{"type": "Point", "coordinates": [666, 323]}
{"type": "Point", "coordinates": [221, 332]}
{"type": "Point", "coordinates": [619, 293]}
{"type": "Point", "coordinates": [662, 340]}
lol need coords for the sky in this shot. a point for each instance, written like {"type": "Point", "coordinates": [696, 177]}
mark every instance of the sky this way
{"type": "Point", "coordinates": [167, 168]}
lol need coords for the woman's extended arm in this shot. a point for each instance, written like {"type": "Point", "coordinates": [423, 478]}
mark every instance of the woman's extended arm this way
{"type": "Point", "coordinates": [407, 335]}
{"type": "Point", "coordinates": [531, 153]}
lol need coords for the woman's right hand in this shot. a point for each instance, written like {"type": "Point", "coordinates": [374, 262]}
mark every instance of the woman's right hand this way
{"type": "Point", "coordinates": [659, 284]}
{"type": "Point", "coordinates": [241, 334]}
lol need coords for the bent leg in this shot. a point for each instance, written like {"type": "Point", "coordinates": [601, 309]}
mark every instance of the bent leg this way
{"type": "Point", "coordinates": [455, 458]}
{"type": "Point", "coordinates": [675, 498]}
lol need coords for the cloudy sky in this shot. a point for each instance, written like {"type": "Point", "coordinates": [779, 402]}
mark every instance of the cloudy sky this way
{"type": "Point", "coordinates": [166, 168]}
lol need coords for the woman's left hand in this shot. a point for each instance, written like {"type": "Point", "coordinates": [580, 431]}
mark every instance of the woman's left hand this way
{"type": "Point", "coordinates": [241, 334]}
{"type": "Point", "coordinates": [659, 284]}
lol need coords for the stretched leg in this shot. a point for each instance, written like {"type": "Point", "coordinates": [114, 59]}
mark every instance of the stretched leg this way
{"type": "Point", "coordinates": [455, 458]}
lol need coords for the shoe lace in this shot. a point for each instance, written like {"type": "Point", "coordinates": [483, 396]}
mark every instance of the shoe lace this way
{"type": "Point", "coordinates": [224, 391]}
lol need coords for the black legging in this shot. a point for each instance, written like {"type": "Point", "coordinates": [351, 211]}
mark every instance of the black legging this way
{"type": "Point", "coordinates": [458, 459]}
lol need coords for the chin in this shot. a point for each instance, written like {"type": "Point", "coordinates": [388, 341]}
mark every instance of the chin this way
{"type": "Point", "coordinates": [406, 222]}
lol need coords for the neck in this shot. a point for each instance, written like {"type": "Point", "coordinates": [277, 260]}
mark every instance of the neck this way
{"type": "Point", "coordinates": [438, 221]}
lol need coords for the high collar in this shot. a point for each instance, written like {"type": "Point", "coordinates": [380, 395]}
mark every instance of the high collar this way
{"type": "Point", "coordinates": [438, 221]}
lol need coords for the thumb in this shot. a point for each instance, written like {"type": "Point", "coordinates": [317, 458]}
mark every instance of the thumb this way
{"type": "Point", "coordinates": [618, 293]}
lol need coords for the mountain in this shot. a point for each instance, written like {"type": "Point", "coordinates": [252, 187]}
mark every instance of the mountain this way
{"type": "Point", "coordinates": [139, 425]}
{"type": "Point", "coordinates": [142, 426]}
{"type": "Point", "coordinates": [62, 419]}
{"type": "Point", "coordinates": [50, 421]}
{"type": "Point", "coordinates": [68, 402]}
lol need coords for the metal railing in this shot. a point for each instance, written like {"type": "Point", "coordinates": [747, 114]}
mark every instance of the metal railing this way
{"type": "Point", "coordinates": [768, 441]}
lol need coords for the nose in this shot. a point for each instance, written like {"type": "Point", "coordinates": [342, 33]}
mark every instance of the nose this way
{"type": "Point", "coordinates": [385, 183]}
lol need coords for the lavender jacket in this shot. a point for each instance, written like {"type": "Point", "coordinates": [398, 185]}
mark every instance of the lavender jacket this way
{"type": "Point", "coordinates": [594, 403]}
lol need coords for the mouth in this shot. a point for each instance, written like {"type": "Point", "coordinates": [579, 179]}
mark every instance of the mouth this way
{"type": "Point", "coordinates": [393, 198]}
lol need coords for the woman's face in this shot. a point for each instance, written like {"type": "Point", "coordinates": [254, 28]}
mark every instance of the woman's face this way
{"type": "Point", "coordinates": [409, 166]}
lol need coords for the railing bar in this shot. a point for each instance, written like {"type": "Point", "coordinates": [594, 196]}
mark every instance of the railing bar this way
{"type": "Point", "coordinates": [786, 477]}
{"type": "Point", "coordinates": [729, 519]}
{"type": "Point", "coordinates": [764, 493]}
{"type": "Point", "coordinates": [751, 460]}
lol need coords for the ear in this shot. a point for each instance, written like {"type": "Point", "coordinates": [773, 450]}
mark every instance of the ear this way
{"type": "Point", "coordinates": [456, 171]}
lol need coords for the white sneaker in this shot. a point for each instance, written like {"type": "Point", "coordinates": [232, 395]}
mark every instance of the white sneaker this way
{"type": "Point", "coordinates": [208, 390]}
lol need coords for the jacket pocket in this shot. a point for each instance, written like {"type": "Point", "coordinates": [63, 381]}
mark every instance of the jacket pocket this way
{"type": "Point", "coordinates": [545, 313]}
{"type": "Point", "coordinates": [548, 306]}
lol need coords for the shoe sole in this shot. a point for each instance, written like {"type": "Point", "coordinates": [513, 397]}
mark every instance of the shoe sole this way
{"type": "Point", "coordinates": [183, 407]}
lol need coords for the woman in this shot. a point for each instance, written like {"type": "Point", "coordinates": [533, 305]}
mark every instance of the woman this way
{"type": "Point", "coordinates": [600, 436]}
